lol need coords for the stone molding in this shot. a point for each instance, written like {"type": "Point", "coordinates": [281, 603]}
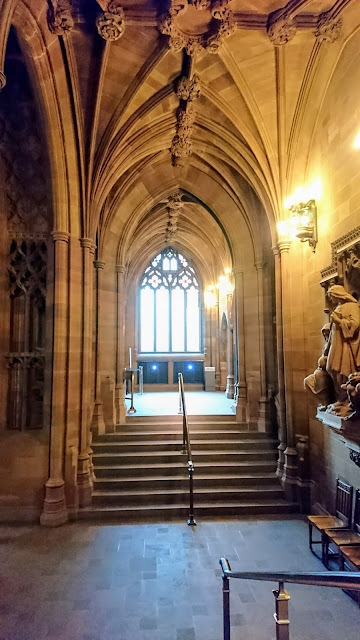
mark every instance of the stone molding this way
{"type": "Point", "coordinates": [60, 236]}
{"type": "Point", "coordinates": [284, 246]}
{"type": "Point", "coordinates": [60, 19]}
{"type": "Point", "coordinates": [111, 24]}
{"type": "Point", "coordinates": [119, 268]}
{"type": "Point", "coordinates": [98, 264]}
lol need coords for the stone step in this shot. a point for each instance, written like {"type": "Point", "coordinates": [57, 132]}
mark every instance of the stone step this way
{"type": "Point", "coordinates": [158, 446]}
{"type": "Point", "coordinates": [170, 469]}
{"type": "Point", "coordinates": [170, 435]}
{"type": "Point", "coordinates": [174, 419]}
{"type": "Point", "coordinates": [167, 512]}
{"type": "Point", "coordinates": [129, 483]}
{"type": "Point", "coordinates": [178, 457]}
{"type": "Point", "coordinates": [179, 496]}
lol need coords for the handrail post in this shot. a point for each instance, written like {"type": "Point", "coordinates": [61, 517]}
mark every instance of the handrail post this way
{"type": "Point", "coordinates": [226, 606]}
{"type": "Point", "coordinates": [191, 521]}
{"type": "Point", "coordinates": [281, 614]}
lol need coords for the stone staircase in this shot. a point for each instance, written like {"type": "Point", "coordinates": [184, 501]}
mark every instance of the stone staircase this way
{"type": "Point", "coordinates": [141, 472]}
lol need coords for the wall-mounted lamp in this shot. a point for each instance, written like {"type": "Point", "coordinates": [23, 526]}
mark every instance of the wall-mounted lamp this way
{"type": "Point", "coordinates": [304, 222]}
{"type": "Point", "coordinates": [225, 286]}
{"type": "Point", "coordinates": [210, 297]}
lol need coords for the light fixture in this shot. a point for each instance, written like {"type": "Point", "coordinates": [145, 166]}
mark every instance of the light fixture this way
{"type": "Point", "coordinates": [210, 298]}
{"type": "Point", "coordinates": [304, 222]}
{"type": "Point", "coordinates": [190, 366]}
{"type": "Point", "coordinates": [154, 367]}
{"type": "Point", "coordinates": [224, 285]}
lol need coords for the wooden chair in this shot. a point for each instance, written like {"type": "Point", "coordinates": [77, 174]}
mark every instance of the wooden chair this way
{"type": "Point", "coordinates": [342, 537]}
{"type": "Point", "coordinates": [341, 520]}
{"type": "Point", "coordinates": [349, 560]}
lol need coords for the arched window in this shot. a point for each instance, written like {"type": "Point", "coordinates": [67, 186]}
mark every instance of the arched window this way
{"type": "Point", "coordinates": [169, 305]}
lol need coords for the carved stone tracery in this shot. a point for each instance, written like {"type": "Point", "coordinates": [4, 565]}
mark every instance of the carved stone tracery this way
{"type": "Point", "coordinates": [111, 25]}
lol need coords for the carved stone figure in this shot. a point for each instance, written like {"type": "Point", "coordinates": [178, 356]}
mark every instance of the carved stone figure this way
{"type": "Point", "coordinates": [343, 357]}
{"type": "Point", "coordinates": [320, 382]}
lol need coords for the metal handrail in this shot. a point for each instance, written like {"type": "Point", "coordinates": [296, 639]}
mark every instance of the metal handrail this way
{"type": "Point", "coordinates": [187, 449]}
{"type": "Point", "coordinates": [342, 579]}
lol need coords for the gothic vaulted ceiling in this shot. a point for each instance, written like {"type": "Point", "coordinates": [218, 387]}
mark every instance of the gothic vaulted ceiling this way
{"type": "Point", "coordinates": [213, 102]}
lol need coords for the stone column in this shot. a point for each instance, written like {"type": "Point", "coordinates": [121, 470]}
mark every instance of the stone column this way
{"type": "Point", "coordinates": [98, 424]}
{"type": "Point", "coordinates": [264, 422]}
{"type": "Point", "coordinates": [120, 406]}
{"type": "Point", "coordinates": [230, 348]}
{"type": "Point", "coordinates": [290, 463]}
{"type": "Point", "coordinates": [84, 473]}
{"type": "Point", "coordinates": [54, 509]}
{"type": "Point", "coordinates": [281, 414]}
{"type": "Point", "coordinates": [216, 345]}
{"type": "Point", "coordinates": [240, 386]}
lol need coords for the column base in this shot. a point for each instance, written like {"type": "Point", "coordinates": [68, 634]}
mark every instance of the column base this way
{"type": "Point", "coordinates": [120, 406]}
{"type": "Point", "coordinates": [230, 388]}
{"type": "Point", "coordinates": [97, 423]}
{"type": "Point", "coordinates": [241, 410]}
{"type": "Point", "coordinates": [289, 479]}
{"type": "Point", "coordinates": [54, 511]}
{"type": "Point", "coordinates": [84, 481]}
{"type": "Point", "coordinates": [280, 460]}
{"type": "Point", "coordinates": [264, 420]}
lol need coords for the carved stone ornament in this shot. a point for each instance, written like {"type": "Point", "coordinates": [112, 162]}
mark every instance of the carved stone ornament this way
{"type": "Point", "coordinates": [175, 201]}
{"type": "Point", "coordinates": [281, 30]}
{"type": "Point", "coordinates": [60, 20]}
{"type": "Point", "coordinates": [328, 29]}
{"type": "Point", "coordinates": [186, 31]}
{"type": "Point", "coordinates": [355, 457]}
{"type": "Point", "coordinates": [188, 88]}
{"type": "Point", "coordinates": [111, 25]}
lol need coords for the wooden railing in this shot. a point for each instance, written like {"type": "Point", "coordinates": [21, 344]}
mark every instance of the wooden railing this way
{"type": "Point", "coordinates": [343, 579]}
{"type": "Point", "coordinates": [187, 449]}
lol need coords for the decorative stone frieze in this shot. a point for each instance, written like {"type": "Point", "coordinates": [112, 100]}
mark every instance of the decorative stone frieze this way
{"type": "Point", "coordinates": [328, 28]}
{"type": "Point", "coordinates": [60, 19]}
{"type": "Point", "coordinates": [111, 25]}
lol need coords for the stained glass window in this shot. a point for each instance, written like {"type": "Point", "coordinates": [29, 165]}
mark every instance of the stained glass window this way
{"type": "Point", "coordinates": [169, 305]}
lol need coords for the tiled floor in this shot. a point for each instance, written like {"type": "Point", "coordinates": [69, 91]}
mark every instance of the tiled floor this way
{"type": "Point", "coordinates": [160, 582]}
{"type": "Point", "coordinates": [197, 403]}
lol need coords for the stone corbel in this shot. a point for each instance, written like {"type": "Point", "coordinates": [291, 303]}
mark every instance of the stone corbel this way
{"type": "Point", "coordinates": [60, 19]}
{"type": "Point", "coordinates": [281, 27]}
{"type": "Point", "coordinates": [111, 24]}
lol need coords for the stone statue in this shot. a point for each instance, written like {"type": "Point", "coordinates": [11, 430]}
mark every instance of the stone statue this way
{"type": "Point", "coordinates": [320, 382]}
{"type": "Point", "coordinates": [343, 353]}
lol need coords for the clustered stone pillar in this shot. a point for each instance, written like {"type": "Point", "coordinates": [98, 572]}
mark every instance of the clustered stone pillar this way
{"type": "Point", "coordinates": [98, 424]}
{"type": "Point", "coordinates": [280, 366]}
{"type": "Point", "coordinates": [230, 348]}
{"type": "Point", "coordinates": [264, 422]}
{"type": "Point", "coordinates": [120, 406]}
{"type": "Point", "coordinates": [240, 385]}
{"type": "Point", "coordinates": [84, 472]}
{"type": "Point", "coordinates": [54, 509]}
{"type": "Point", "coordinates": [290, 464]}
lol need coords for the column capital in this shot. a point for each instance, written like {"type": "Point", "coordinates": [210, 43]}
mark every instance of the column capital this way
{"type": "Point", "coordinates": [87, 243]}
{"type": "Point", "coordinates": [237, 271]}
{"type": "Point", "coordinates": [275, 250]}
{"type": "Point", "coordinates": [98, 264]}
{"type": "Point", "coordinates": [119, 268]}
{"type": "Point", "coordinates": [259, 266]}
{"type": "Point", "coordinates": [60, 236]}
{"type": "Point", "coordinates": [284, 246]}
